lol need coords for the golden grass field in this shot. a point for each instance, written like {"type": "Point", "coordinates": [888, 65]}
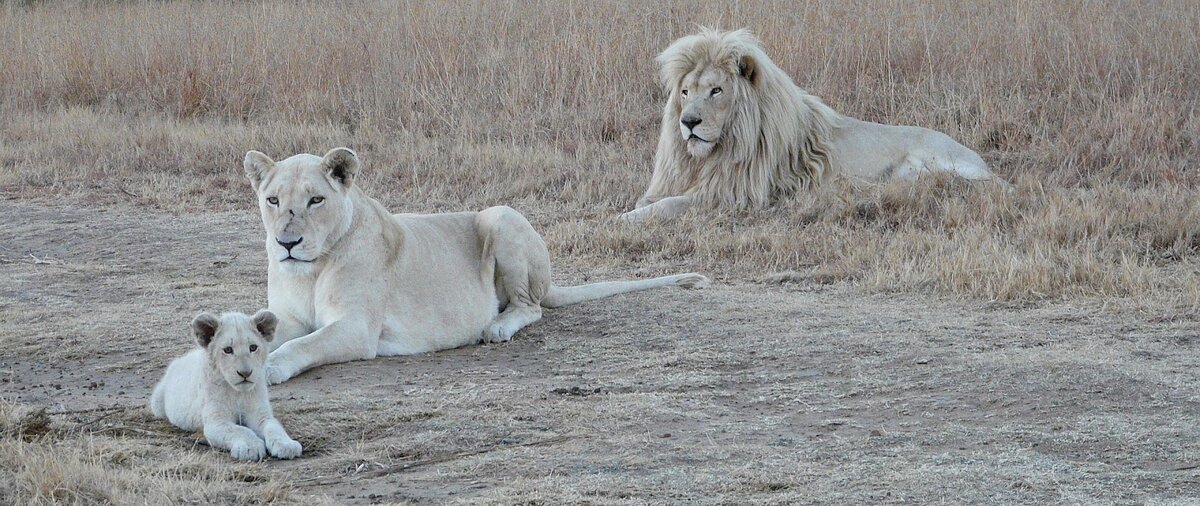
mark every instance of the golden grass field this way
{"type": "Point", "coordinates": [132, 118]}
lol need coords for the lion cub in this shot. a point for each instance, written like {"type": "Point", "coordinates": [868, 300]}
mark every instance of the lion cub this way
{"type": "Point", "coordinates": [222, 387]}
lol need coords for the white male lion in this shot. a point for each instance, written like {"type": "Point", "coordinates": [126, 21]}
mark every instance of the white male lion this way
{"type": "Point", "coordinates": [351, 281]}
{"type": "Point", "coordinates": [221, 388]}
{"type": "Point", "coordinates": [738, 133]}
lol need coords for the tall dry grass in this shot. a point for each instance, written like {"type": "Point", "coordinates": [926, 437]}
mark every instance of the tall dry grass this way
{"type": "Point", "coordinates": [552, 107]}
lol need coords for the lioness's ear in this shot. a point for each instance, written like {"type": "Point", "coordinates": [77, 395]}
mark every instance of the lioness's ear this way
{"type": "Point", "coordinates": [204, 325]}
{"type": "Point", "coordinates": [748, 68]}
{"type": "Point", "coordinates": [265, 321]}
{"type": "Point", "coordinates": [257, 165]}
{"type": "Point", "coordinates": [342, 165]}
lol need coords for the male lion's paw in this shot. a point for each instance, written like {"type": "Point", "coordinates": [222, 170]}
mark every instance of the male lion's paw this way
{"type": "Point", "coordinates": [692, 280]}
{"type": "Point", "coordinates": [634, 217]}
{"type": "Point", "coordinates": [248, 450]}
{"type": "Point", "coordinates": [285, 448]}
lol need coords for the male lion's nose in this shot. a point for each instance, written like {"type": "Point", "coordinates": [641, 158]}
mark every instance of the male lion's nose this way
{"type": "Point", "coordinates": [288, 245]}
{"type": "Point", "coordinates": [245, 374]}
{"type": "Point", "coordinates": [690, 121]}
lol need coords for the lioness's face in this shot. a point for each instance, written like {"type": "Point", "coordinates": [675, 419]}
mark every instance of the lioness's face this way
{"type": "Point", "coordinates": [236, 345]}
{"type": "Point", "coordinates": [706, 104]}
{"type": "Point", "coordinates": [304, 204]}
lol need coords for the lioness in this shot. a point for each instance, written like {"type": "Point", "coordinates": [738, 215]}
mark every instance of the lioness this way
{"type": "Point", "coordinates": [350, 281]}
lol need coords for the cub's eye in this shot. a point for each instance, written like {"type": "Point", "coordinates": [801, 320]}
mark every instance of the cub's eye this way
{"type": "Point", "coordinates": [316, 200]}
{"type": "Point", "coordinates": [273, 201]}
{"type": "Point", "coordinates": [228, 350]}
{"type": "Point", "coordinates": [683, 92]}
{"type": "Point", "coordinates": [716, 91]}
{"type": "Point", "coordinates": [253, 348]}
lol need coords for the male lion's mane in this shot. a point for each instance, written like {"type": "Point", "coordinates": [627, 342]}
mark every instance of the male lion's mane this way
{"type": "Point", "coordinates": [775, 142]}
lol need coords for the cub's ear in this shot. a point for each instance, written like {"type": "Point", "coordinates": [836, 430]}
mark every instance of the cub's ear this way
{"type": "Point", "coordinates": [204, 326]}
{"type": "Point", "coordinates": [265, 321]}
{"type": "Point", "coordinates": [257, 166]}
{"type": "Point", "coordinates": [748, 68]}
{"type": "Point", "coordinates": [341, 165]}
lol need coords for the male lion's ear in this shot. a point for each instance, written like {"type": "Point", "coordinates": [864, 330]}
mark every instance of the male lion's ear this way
{"type": "Point", "coordinates": [204, 325]}
{"type": "Point", "coordinates": [342, 164]}
{"type": "Point", "coordinates": [748, 68]}
{"type": "Point", "coordinates": [265, 321]}
{"type": "Point", "coordinates": [257, 165]}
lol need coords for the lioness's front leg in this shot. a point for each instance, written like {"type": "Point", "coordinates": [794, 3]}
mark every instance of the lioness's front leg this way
{"type": "Point", "coordinates": [287, 328]}
{"type": "Point", "coordinates": [664, 209]}
{"type": "Point", "coordinates": [350, 338]}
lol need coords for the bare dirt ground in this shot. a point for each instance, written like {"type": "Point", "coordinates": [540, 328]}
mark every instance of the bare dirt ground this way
{"type": "Point", "coordinates": [740, 393]}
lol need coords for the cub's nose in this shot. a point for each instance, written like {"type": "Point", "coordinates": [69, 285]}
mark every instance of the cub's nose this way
{"type": "Point", "coordinates": [690, 121]}
{"type": "Point", "coordinates": [288, 245]}
{"type": "Point", "coordinates": [245, 374]}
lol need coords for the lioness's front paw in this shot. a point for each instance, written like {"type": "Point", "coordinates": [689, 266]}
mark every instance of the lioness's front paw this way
{"type": "Point", "coordinates": [692, 280]}
{"type": "Point", "coordinates": [248, 450]}
{"type": "Point", "coordinates": [285, 448]}
{"type": "Point", "coordinates": [277, 371]}
{"type": "Point", "coordinates": [496, 333]}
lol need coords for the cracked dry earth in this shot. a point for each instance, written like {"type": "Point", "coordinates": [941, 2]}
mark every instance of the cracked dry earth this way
{"type": "Point", "coordinates": [742, 392]}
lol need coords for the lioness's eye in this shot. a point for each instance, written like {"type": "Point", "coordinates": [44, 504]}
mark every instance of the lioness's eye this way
{"type": "Point", "coordinates": [228, 350]}
{"type": "Point", "coordinates": [716, 91]}
{"type": "Point", "coordinates": [316, 200]}
{"type": "Point", "coordinates": [683, 92]}
{"type": "Point", "coordinates": [273, 201]}
{"type": "Point", "coordinates": [253, 348]}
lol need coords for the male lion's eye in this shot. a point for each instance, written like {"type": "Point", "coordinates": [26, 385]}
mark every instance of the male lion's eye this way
{"type": "Point", "coordinates": [316, 200]}
{"type": "Point", "coordinates": [716, 91]}
{"type": "Point", "coordinates": [228, 350]}
{"type": "Point", "coordinates": [273, 201]}
{"type": "Point", "coordinates": [253, 348]}
{"type": "Point", "coordinates": [683, 92]}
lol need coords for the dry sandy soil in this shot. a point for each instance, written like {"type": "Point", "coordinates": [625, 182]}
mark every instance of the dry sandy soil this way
{"type": "Point", "coordinates": [742, 392]}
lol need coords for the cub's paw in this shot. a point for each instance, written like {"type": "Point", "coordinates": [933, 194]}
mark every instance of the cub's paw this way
{"type": "Point", "coordinates": [692, 280]}
{"type": "Point", "coordinates": [248, 450]}
{"type": "Point", "coordinates": [285, 448]}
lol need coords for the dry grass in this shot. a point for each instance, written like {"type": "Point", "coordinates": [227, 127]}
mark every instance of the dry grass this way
{"type": "Point", "coordinates": [552, 108]}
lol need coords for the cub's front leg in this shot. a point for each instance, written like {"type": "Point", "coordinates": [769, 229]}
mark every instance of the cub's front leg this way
{"type": "Point", "coordinates": [350, 338]}
{"type": "Point", "coordinates": [241, 442]}
{"type": "Point", "coordinates": [279, 444]}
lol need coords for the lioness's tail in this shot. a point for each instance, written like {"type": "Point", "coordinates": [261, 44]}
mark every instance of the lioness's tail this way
{"type": "Point", "coordinates": [560, 296]}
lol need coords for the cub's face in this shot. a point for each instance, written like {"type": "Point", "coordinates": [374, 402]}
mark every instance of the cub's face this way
{"type": "Point", "coordinates": [305, 204]}
{"type": "Point", "coordinates": [706, 103]}
{"type": "Point", "coordinates": [236, 345]}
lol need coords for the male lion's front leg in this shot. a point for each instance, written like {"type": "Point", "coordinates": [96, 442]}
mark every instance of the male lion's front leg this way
{"type": "Point", "coordinates": [341, 341]}
{"type": "Point", "coordinates": [662, 210]}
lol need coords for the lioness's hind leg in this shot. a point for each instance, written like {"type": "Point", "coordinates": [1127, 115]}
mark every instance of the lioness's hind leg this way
{"type": "Point", "coordinates": [509, 322]}
{"type": "Point", "coordinates": [522, 273]}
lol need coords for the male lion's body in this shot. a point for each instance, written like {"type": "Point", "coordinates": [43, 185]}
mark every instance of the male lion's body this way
{"type": "Point", "coordinates": [351, 281]}
{"type": "Point", "coordinates": [738, 133]}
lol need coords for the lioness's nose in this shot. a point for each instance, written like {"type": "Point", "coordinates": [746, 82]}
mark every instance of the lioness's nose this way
{"type": "Point", "coordinates": [690, 121]}
{"type": "Point", "coordinates": [245, 374]}
{"type": "Point", "coordinates": [288, 245]}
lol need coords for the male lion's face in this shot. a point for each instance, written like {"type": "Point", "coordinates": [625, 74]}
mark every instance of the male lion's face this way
{"type": "Point", "coordinates": [236, 345]}
{"type": "Point", "coordinates": [706, 103]}
{"type": "Point", "coordinates": [304, 203]}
